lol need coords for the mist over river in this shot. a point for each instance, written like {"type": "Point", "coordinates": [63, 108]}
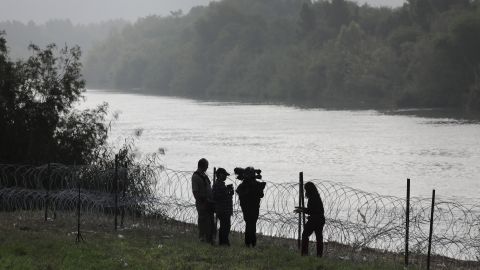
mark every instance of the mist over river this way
{"type": "Point", "coordinates": [365, 149]}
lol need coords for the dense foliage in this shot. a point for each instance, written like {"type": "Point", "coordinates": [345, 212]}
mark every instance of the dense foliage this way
{"type": "Point", "coordinates": [38, 121]}
{"type": "Point", "coordinates": [330, 53]}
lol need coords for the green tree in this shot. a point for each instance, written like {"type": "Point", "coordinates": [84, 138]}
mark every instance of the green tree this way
{"type": "Point", "coordinates": [37, 118]}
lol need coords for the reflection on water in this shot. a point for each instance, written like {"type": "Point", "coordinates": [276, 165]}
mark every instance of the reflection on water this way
{"type": "Point", "coordinates": [368, 150]}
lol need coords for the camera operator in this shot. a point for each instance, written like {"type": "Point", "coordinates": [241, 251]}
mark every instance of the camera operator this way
{"type": "Point", "coordinates": [250, 192]}
{"type": "Point", "coordinates": [223, 197]}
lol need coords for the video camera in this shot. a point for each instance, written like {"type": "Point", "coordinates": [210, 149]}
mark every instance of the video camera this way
{"type": "Point", "coordinates": [251, 189]}
{"type": "Point", "coordinates": [244, 173]}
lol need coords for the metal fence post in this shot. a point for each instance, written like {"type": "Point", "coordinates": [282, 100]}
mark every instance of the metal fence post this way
{"type": "Point", "coordinates": [407, 223]}
{"type": "Point", "coordinates": [431, 231]}
{"type": "Point", "coordinates": [300, 199]}
{"type": "Point", "coordinates": [301, 215]}
{"type": "Point", "coordinates": [302, 192]}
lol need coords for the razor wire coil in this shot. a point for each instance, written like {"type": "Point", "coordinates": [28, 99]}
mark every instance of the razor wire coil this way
{"type": "Point", "coordinates": [355, 218]}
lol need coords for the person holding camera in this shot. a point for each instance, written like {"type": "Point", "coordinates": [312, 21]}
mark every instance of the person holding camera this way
{"type": "Point", "coordinates": [250, 192]}
{"type": "Point", "coordinates": [223, 197]}
{"type": "Point", "coordinates": [202, 191]}
{"type": "Point", "coordinates": [316, 219]}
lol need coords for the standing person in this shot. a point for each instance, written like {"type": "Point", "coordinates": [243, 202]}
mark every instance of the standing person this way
{"type": "Point", "coordinates": [316, 219]}
{"type": "Point", "coordinates": [223, 197]}
{"type": "Point", "coordinates": [250, 192]}
{"type": "Point", "coordinates": [202, 191]}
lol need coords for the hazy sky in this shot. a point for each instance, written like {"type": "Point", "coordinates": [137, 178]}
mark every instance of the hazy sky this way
{"type": "Point", "coordinates": [85, 11]}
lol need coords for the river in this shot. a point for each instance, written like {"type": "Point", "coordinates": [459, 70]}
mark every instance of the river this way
{"type": "Point", "coordinates": [364, 149]}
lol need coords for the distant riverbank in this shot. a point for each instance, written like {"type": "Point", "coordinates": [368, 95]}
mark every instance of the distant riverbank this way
{"type": "Point", "coordinates": [330, 104]}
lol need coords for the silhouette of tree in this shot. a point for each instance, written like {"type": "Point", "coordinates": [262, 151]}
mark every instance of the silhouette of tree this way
{"type": "Point", "coordinates": [37, 116]}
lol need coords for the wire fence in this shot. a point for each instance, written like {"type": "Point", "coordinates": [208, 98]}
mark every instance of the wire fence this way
{"type": "Point", "coordinates": [356, 219]}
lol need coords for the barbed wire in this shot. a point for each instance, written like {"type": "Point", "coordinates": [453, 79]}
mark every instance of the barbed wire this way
{"type": "Point", "coordinates": [355, 218]}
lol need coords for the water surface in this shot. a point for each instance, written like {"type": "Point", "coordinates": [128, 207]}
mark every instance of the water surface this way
{"type": "Point", "coordinates": [366, 149]}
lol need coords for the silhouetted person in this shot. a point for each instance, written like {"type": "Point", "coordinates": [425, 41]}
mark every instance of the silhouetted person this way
{"type": "Point", "coordinates": [223, 197]}
{"type": "Point", "coordinates": [250, 191]}
{"type": "Point", "coordinates": [316, 219]}
{"type": "Point", "coordinates": [202, 191]}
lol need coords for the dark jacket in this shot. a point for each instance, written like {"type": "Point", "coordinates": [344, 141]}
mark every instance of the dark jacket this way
{"type": "Point", "coordinates": [315, 209]}
{"type": "Point", "coordinates": [223, 197]}
{"type": "Point", "coordinates": [250, 191]}
{"type": "Point", "coordinates": [202, 191]}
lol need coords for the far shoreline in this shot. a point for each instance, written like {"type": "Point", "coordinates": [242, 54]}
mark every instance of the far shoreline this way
{"type": "Point", "coordinates": [456, 114]}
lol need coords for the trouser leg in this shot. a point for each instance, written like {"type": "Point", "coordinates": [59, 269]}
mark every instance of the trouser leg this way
{"type": "Point", "coordinates": [247, 232]}
{"type": "Point", "coordinates": [224, 229]}
{"type": "Point", "coordinates": [214, 227]}
{"type": "Point", "coordinates": [253, 233]}
{"type": "Point", "coordinates": [319, 236]}
{"type": "Point", "coordinates": [251, 228]}
{"type": "Point", "coordinates": [210, 227]}
{"type": "Point", "coordinates": [254, 227]}
{"type": "Point", "coordinates": [307, 231]}
{"type": "Point", "coordinates": [198, 225]}
{"type": "Point", "coordinates": [228, 225]}
{"type": "Point", "coordinates": [250, 232]}
{"type": "Point", "coordinates": [221, 230]}
{"type": "Point", "coordinates": [202, 225]}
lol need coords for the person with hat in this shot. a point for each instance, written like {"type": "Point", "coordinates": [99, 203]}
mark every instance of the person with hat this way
{"type": "Point", "coordinates": [223, 197]}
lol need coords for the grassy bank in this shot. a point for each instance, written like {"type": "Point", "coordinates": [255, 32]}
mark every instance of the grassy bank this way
{"type": "Point", "coordinates": [26, 242]}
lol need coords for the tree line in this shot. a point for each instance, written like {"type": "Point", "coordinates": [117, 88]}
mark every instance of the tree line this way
{"type": "Point", "coordinates": [58, 31]}
{"type": "Point", "coordinates": [322, 53]}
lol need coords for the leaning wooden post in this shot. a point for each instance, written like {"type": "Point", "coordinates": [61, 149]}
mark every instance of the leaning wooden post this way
{"type": "Point", "coordinates": [407, 222]}
{"type": "Point", "coordinates": [47, 182]}
{"type": "Point", "coordinates": [431, 231]}
{"type": "Point", "coordinates": [115, 190]}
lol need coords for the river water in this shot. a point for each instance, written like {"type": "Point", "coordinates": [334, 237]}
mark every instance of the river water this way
{"type": "Point", "coordinates": [366, 149]}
